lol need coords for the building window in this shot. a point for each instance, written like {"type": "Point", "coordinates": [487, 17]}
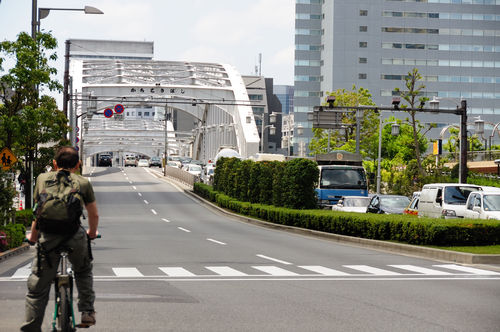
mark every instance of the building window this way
{"type": "Point", "coordinates": [363, 44]}
{"type": "Point", "coordinates": [255, 97]}
{"type": "Point", "coordinates": [363, 28]}
{"type": "Point", "coordinates": [363, 12]}
{"type": "Point", "coordinates": [146, 113]}
{"type": "Point", "coordinates": [139, 113]}
{"type": "Point", "coordinates": [362, 76]}
{"type": "Point", "coordinates": [362, 60]}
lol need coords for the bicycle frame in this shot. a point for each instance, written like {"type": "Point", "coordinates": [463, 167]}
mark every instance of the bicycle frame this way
{"type": "Point", "coordinates": [64, 282]}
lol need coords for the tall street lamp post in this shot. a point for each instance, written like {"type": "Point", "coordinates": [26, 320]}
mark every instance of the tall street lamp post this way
{"type": "Point", "coordinates": [394, 132]}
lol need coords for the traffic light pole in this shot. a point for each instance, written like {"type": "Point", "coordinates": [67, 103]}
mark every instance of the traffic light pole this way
{"type": "Point", "coordinates": [323, 114]}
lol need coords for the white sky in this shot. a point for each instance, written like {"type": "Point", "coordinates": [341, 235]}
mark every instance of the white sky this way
{"type": "Point", "coordinates": [223, 31]}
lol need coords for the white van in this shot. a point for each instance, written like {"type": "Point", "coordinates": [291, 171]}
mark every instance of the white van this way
{"type": "Point", "coordinates": [445, 200]}
{"type": "Point", "coordinates": [483, 205]}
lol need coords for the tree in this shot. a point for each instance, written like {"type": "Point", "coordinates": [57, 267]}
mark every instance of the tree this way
{"type": "Point", "coordinates": [411, 96]}
{"type": "Point", "coordinates": [26, 120]}
{"type": "Point", "coordinates": [345, 139]}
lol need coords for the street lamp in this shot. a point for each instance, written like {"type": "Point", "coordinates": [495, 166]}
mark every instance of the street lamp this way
{"type": "Point", "coordinates": [462, 109]}
{"type": "Point", "coordinates": [394, 132]}
{"type": "Point", "coordinates": [272, 131]}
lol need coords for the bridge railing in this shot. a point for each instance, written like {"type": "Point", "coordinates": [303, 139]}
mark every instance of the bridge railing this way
{"type": "Point", "coordinates": [182, 176]}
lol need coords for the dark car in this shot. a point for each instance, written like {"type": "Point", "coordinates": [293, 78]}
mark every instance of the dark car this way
{"type": "Point", "coordinates": [155, 161]}
{"type": "Point", "coordinates": [105, 160]}
{"type": "Point", "coordinates": [389, 204]}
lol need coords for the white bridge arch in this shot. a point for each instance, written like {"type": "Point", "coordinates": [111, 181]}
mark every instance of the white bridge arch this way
{"type": "Point", "coordinates": [213, 94]}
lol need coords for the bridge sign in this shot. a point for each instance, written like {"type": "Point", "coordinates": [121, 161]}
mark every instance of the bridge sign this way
{"type": "Point", "coordinates": [119, 108]}
{"type": "Point", "coordinates": [108, 112]}
{"type": "Point", "coordinates": [8, 158]}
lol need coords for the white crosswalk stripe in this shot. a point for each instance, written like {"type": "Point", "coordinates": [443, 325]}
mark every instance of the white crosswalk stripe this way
{"type": "Point", "coordinates": [421, 270]}
{"type": "Point", "coordinates": [22, 272]}
{"type": "Point", "coordinates": [275, 271]}
{"type": "Point", "coordinates": [399, 270]}
{"type": "Point", "coordinates": [372, 270]}
{"type": "Point", "coordinates": [226, 271]}
{"type": "Point", "coordinates": [176, 272]}
{"type": "Point", "coordinates": [323, 270]}
{"type": "Point", "coordinates": [127, 272]}
{"type": "Point", "coordinates": [467, 269]}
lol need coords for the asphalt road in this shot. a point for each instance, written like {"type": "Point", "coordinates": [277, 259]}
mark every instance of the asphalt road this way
{"type": "Point", "coordinates": [168, 263]}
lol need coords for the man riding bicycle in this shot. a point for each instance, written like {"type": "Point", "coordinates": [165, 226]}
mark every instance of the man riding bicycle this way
{"type": "Point", "coordinates": [50, 237]}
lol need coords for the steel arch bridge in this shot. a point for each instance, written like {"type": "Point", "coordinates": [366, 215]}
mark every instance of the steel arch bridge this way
{"type": "Point", "coordinates": [213, 94]}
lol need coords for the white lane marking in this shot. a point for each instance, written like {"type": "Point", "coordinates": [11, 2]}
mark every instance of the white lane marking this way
{"type": "Point", "coordinates": [130, 182]}
{"type": "Point", "coordinates": [146, 202]}
{"type": "Point", "coordinates": [372, 270]}
{"type": "Point", "coordinates": [274, 259]}
{"type": "Point", "coordinates": [134, 187]}
{"type": "Point", "coordinates": [422, 270]}
{"type": "Point", "coordinates": [184, 230]}
{"type": "Point", "coordinates": [127, 272]}
{"type": "Point", "coordinates": [154, 212]}
{"type": "Point", "coordinates": [165, 220]}
{"type": "Point", "coordinates": [323, 270]}
{"type": "Point", "coordinates": [22, 272]}
{"type": "Point", "coordinates": [226, 271]}
{"type": "Point", "coordinates": [468, 269]}
{"type": "Point", "coordinates": [275, 271]}
{"type": "Point", "coordinates": [215, 241]}
{"type": "Point", "coordinates": [176, 272]}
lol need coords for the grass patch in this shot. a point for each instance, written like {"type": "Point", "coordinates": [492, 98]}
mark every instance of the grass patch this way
{"type": "Point", "coordinates": [480, 250]}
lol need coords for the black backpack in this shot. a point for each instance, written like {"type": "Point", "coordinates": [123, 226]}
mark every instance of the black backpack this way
{"type": "Point", "coordinates": [59, 205]}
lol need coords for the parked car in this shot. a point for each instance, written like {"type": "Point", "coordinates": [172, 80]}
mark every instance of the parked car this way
{"type": "Point", "coordinates": [445, 200]}
{"type": "Point", "coordinates": [174, 163]}
{"type": "Point", "coordinates": [412, 208]}
{"type": "Point", "coordinates": [352, 204]}
{"type": "Point", "coordinates": [207, 175]}
{"type": "Point", "coordinates": [483, 205]}
{"type": "Point", "coordinates": [193, 169]}
{"type": "Point", "coordinates": [130, 161]}
{"type": "Point", "coordinates": [389, 204]}
{"type": "Point", "coordinates": [143, 163]}
{"type": "Point", "coordinates": [105, 160]}
{"type": "Point", "coordinates": [155, 161]}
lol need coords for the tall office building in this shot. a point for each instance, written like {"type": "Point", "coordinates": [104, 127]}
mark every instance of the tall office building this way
{"type": "Point", "coordinates": [455, 45]}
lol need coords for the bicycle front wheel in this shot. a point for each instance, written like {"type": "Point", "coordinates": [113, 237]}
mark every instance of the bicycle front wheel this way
{"type": "Point", "coordinates": [64, 311]}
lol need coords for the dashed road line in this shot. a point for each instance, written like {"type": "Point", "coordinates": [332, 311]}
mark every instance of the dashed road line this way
{"type": "Point", "coordinates": [154, 212]}
{"type": "Point", "coordinates": [215, 241]}
{"type": "Point", "coordinates": [165, 220]}
{"type": "Point", "coordinates": [146, 202]}
{"type": "Point", "coordinates": [274, 259]}
{"type": "Point", "coordinates": [184, 230]}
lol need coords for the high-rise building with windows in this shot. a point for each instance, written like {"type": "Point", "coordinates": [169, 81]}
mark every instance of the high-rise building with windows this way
{"type": "Point", "coordinates": [455, 45]}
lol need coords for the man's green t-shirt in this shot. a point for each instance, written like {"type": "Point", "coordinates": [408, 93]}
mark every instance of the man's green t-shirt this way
{"type": "Point", "coordinates": [86, 190]}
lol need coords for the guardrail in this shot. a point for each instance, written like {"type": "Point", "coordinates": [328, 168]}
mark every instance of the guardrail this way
{"type": "Point", "coordinates": [182, 176]}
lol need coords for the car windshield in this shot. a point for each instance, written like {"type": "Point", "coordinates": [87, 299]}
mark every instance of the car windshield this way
{"type": "Point", "coordinates": [395, 202]}
{"type": "Point", "coordinates": [491, 203]}
{"type": "Point", "coordinates": [357, 202]}
{"type": "Point", "coordinates": [195, 168]}
{"type": "Point", "coordinates": [342, 178]}
{"type": "Point", "coordinates": [155, 158]}
{"type": "Point", "coordinates": [457, 195]}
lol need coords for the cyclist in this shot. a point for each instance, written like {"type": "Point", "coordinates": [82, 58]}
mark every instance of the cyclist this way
{"type": "Point", "coordinates": [44, 267]}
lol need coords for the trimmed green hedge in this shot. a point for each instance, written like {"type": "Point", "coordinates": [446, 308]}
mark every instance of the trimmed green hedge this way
{"type": "Point", "coordinates": [12, 236]}
{"type": "Point", "coordinates": [25, 217]}
{"type": "Point", "coordinates": [289, 184]}
{"type": "Point", "coordinates": [401, 228]}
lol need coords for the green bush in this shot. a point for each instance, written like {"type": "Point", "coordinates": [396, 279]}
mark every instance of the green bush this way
{"type": "Point", "coordinates": [24, 217]}
{"type": "Point", "coordinates": [402, 228]}
{"type": "Point", "coordinates": [14, 235]}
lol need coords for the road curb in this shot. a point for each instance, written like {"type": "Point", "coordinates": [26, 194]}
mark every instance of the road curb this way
{"type": "Point", "coordinates": [401, 248]}
{"type": "Point", "coordinates": [13, 252]}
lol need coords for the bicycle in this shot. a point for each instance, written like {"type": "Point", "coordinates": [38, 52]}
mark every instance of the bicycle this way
{"type": "Point", "coordinates": [64, 315]}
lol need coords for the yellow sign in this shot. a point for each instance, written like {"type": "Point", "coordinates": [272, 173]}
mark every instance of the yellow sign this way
{"type": "Point", "coordinates": [8, 158]}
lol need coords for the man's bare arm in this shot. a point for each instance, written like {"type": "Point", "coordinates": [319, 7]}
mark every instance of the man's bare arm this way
{"type": "Point", "coordinates": [93, 219]}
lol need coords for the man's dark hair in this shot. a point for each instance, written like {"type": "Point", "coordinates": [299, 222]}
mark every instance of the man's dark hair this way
{"type": "Point", "coordinates": [67, 157]}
